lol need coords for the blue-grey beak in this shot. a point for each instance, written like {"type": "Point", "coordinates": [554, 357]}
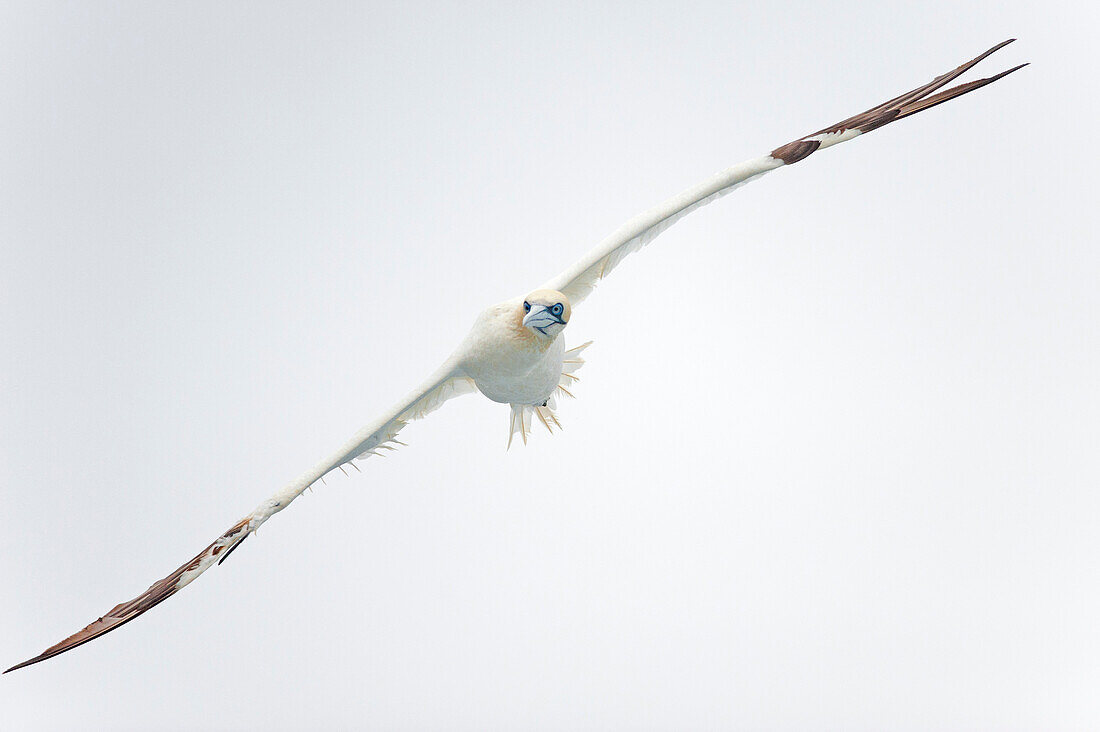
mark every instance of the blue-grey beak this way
{"type": "Point", "coordinates": [541, 318]}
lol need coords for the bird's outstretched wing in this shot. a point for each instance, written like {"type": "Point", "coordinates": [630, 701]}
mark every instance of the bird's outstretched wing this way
{"type": "Point", "coordinates": [580, 279]}
{"type": "Point", "coordinates": [445, 383]}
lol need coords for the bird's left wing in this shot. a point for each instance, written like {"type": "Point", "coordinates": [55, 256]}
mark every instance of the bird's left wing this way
{"type": "Point", "coordinates": [447, 382]}
{"type": "Point", "coordinates": [580, 279]}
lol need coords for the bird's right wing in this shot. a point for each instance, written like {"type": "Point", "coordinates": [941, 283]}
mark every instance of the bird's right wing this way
{"type": "Point", "coordinates": [580, 279]}
{"type": "Point", "coordinates": [447, 382]}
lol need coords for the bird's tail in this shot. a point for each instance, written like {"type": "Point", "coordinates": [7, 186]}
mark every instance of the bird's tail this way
{"type": "Point", "coordinates": [523, 415]}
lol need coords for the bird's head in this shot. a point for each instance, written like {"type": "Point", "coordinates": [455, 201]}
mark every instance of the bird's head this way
{"type": "Point", "coordinates": [546, 312]}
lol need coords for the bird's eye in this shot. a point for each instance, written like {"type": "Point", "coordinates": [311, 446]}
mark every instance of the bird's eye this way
{"type": "Point", "coordinates": [526, 307]}
{"type": "Point", "coordinates": [556, 310]}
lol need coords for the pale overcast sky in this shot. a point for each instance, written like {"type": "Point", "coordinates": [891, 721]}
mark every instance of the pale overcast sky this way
{"type": "Point", "coordinates": [833, 462]}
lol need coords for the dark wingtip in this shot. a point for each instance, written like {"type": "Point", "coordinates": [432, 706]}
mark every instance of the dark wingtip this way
{"type": "Point", "coordinates": [1009, 71]}
{"type": "Point", "coordinates": [905, 105]}
{"type": "Point", "coordinates": [18, 666]}
{"type": "Point", "coordinates": [123, 613]}
{"type": "Point", "coordinates": [998, 47]}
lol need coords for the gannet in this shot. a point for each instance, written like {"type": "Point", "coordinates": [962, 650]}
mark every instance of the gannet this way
{"type": "Point", "coordinates": [515, 352]}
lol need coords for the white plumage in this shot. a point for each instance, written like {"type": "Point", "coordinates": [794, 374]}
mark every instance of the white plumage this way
{"type": "Point", "coordinates": [515, 352]}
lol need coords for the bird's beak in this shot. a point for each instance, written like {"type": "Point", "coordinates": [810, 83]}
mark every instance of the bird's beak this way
{"type": "Point", "coordinates": [540, 318]}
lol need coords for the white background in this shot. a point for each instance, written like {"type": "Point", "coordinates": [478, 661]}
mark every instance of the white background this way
{"type": "Point", "coordinates": [833, 464]}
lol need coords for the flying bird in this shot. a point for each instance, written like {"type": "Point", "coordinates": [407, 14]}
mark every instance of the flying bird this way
{"type": "Point", "coordinates": [515, 352]}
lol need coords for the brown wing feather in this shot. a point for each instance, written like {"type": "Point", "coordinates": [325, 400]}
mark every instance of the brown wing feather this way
{"type": "Point", "coordinates": [123, 613]}
{"type": "Point", "coordinates": [900, 106]}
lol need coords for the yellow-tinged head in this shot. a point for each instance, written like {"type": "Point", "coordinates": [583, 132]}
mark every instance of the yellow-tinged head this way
{"type": "Point", "coordinates": [546, 312]}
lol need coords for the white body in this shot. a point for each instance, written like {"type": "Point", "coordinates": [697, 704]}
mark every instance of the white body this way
{"type": "Point", "coordinates": [507, 361]}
